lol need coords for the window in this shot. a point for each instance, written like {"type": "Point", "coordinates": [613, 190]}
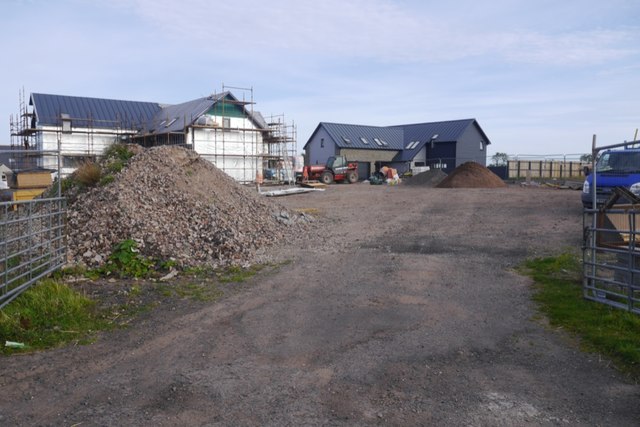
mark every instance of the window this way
{"type": "Point", "coordinates": [377, 141]}
{"type": "Point", "coordinates": [364, 140]}
{"type": "Point", "coordinates": [412, 145]}
{"type": "Point", "coordinates": [384, 142]}
{"type": "Point", "coordinates": [226, 122]}
{"type": "Point", "coordinates": [481, 145]}
{"type": "Point", "coordinates": [346, 140]}
{"type": "Point", "coordinates": [321, 142]}
{"type": "Point", "coordinates": [66, 123]}
{"type": "Point", "coordinates": [171, 122]}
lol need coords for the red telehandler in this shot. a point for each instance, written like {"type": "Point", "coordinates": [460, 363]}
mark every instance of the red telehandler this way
{"type": "Point", "coordinates": [337, 169]}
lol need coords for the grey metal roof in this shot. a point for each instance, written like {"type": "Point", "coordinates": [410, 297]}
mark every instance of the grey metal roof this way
{"type": "Point", "coordinates": [174, 118]}
{"type": "Point", "coordinates": [91, 112]}
{"type": "Point", "coordinates": [259, 119]}
{"type": "Point", "coordinates": [390, 138]}
{"type": "Point", "coordinates": [447, 131]}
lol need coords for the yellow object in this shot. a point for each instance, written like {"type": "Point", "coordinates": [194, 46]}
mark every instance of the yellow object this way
{"type": "Point", "coordinates": [30, 179]}
{"type": "Point", "coordinates": [27, 194]}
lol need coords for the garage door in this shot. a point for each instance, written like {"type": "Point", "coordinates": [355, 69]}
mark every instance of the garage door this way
{"type": "Point", "coordinates": [364, 170]}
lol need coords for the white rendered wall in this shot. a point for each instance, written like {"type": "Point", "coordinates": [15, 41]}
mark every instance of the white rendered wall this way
{"type": "Point", "coordinates": [237, 150]}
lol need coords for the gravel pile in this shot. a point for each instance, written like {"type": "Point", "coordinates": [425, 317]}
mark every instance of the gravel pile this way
{"type": "Point", "coordinates": [471, 175]}
{"type": "Point", "coordinates": [178, 206]}
{"type": "Point", "coordinates": [429, 178]}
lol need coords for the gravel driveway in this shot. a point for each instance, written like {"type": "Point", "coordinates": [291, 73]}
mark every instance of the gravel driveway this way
{"type": "Point", "coordinates": [402, 309]}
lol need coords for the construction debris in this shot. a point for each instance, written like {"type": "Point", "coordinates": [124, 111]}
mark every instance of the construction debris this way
{"type": "Point", "coordinates": [471, 175]}
{"type": "Point", "coordinates": [289, 191]}
{"type": "Point", "coordinates": [179, 207]}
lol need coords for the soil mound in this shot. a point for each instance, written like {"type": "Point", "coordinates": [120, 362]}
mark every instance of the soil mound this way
{"type": "Point", "coordinates": [429, 178]}
{"type": "Point", "coordinates": [471, 175]}
{"type": "Point", "coordinates": [178, 206]}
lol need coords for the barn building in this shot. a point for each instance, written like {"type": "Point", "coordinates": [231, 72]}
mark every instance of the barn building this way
{"type": "Point", "coordinates": [443, 145]}
{"type": "Point", "coordinates": [221, 128]}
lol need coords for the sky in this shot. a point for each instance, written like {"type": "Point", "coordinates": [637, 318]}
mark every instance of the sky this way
{"type": "Point", "coordinates": [541, 77]}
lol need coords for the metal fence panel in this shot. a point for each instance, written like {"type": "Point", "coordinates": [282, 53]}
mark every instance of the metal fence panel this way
{"type": "Point", "coordinates": [32, 243]}
{"type": "Point", "coordinates": [611, 257]}
{"type": "Point", "coordinates": [545, 169]}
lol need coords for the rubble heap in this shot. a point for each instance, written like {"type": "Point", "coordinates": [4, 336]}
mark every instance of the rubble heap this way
{"type": "Point", "coordinates": [471, 175]}
{"type": "Point", "coordinates": [177, 206]}
{"type": "Point", "coordinates": [429, 178]}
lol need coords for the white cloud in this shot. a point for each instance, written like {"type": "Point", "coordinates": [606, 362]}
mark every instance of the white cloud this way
{"type": "Point", "coordinates": [379, 30]}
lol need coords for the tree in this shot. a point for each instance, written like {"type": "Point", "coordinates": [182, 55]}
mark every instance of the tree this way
{"type": "Point", "coordinates": [586, 158]}
{"type": "Point", "coordinates": [500, 159]}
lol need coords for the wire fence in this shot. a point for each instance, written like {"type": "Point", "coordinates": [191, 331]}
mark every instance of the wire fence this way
{"type": "Point", "coordinates": [33, 243]}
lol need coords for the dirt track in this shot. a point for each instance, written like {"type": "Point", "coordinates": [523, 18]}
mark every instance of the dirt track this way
{"type": "Point", "coordinates": [415, 317]}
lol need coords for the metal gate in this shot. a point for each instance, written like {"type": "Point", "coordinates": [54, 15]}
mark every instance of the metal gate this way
{"type": "Point", "coordinates": [32, 243]}
{"type": "Point", "coordinates": [611, 247]}
{"type": "Point", "coordinates": [611, 257]}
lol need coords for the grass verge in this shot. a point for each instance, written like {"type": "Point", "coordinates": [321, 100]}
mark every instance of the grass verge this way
{"type": "Point", "coordinates": [48, 315]}
{"type": "Point", "coordinates": [600, 328]}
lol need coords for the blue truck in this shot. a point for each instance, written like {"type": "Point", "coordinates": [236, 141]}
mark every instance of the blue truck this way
{"type": "Point", "coordinates": [614, 168]}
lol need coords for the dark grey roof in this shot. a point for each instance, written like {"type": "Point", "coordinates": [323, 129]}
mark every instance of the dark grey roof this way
{"type": "Point", "coordinates": [349, 136]}
{"type": "Point", "coordinates": [147, 117]}
{"type": "Point", "coordinates": [448, 131]}
{"type": "Point", "coordinates": [174, 118]}
{"type": "Point", "coordinates": [259, 119]}
{"type": "Point", "coordinates": [398, 137]}
{"type": "Point", "coordinates": [91, 112]}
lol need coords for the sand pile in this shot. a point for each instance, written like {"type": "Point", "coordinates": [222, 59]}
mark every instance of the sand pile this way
{"type": "Point", "coordinates": [429, 178]}
{"type": "Point", "coordinates": [471, 175]}
{"type": "Point", "coordinates": [177, 206]}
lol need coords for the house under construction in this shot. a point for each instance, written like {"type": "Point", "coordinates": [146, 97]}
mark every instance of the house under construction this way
{"type": "Point", "coordinates": [222, 128]}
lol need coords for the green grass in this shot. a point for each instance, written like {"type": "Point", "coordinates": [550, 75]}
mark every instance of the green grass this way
{"type": "Point", "coordinates": [48, 315]}
{"type": "Point", "coordinates": [602, 329]}
{"type": "Point", "coordinates": [237, 274]}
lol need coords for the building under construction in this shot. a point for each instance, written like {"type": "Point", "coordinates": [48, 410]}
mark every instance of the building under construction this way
{"type": "Point", "coordinates": [222, 128]}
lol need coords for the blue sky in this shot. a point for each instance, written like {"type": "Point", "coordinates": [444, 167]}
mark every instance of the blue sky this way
{"type": "Point", "coordinates": [541, 77]}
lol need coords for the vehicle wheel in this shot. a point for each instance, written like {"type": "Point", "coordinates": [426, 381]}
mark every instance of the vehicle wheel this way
{"type": "Point", "coordinates": [326, 177]}
{"type": "Point", "coordinates": [352, 177]}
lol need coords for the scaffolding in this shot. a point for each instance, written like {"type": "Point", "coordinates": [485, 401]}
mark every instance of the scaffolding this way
{"type": "Point", "coordinates": [23, 137]}
{"type": "Point", "coordinates": [281, 149]}
{"type": "Point", "coordinates": [87, 140]}
{"type": "Point", "coordinates": [234, 137]}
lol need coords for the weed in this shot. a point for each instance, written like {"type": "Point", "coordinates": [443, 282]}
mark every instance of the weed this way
{"type": "Point", "coordinates": [127, 261]}
{"type": "Point", "coordinates": [135, 291]}
{"type": "Point", "coordinates": [114, 165]}
{"type": "Point", "coordinates": [116, 157]}
{"type": "Point", "coordinates": [88, 174]}
{"type": "Point", "coordinates": [602, 329]}
{"type": "Point", "coordinates": [67, 184]}
{"type": "Point", "coordinates": [119, 152]}
{"type": "Point", "coordinates": [106, 180]}
{"type": "Point", "coordinates": [198, 271]}
{"type": "Point", "coordinates": [167, 264]}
